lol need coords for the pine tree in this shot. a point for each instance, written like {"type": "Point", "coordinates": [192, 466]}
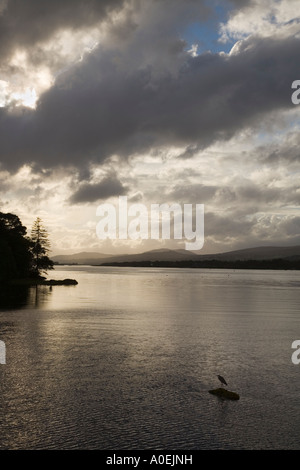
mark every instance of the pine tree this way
{"type": "Point", "coordinates": [40, 248]}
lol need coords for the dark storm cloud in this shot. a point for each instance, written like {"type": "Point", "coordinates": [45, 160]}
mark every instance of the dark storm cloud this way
{"type": "Point", "coordinates": [108, 187]}
{"type": "Point", "coordinates": [99, 108]}
{"type": "Point", "coordinates": [26, 23]}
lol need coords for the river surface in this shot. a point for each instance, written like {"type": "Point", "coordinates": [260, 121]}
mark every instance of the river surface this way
{"type": "Point", "coordinates": [125, 359]}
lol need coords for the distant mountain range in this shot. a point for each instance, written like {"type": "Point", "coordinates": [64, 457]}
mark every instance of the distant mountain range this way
{"type": "Point", "coordinates": [85, 257]}
{"type": "Point", "coordinates": [290, 253]}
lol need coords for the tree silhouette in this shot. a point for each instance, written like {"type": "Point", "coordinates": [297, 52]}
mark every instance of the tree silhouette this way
{"type": "Point", "coordinates": [15, 248]}
{"type": "Point", "coordinates": [40, 248]}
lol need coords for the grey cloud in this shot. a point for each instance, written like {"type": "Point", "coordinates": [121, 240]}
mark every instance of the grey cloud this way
{"type": "Point", "coordinates": [242, 230]}
{"type": "Point", "coordinates": [115, 102]}
{"type": "Point", "coordinates": [156, 30]}
{"type": "Point", "coordinates": [26, 23]}
{"type": "Point", "coordinates": [97, 108]}
{"type": "Point", "coordinates": [258, 194]}
{"type": "Point", "coordinates": [154, 24]}
{"type": "Point", "coordinates": [136, 197]}
{"type": "Point", "coordinates": [267, 195]}
{"type": "Point", "coordinates": [292, 227]}
{"type": "Point", "coordinates": [285, 152]}
{"type": "Point", "coordinates": [108, 187]}
{"type": "Point", "coordinates": [141, 92]}
{"type": "Point", "coordinates": [247, 198]}
{"type": "Point", "coordinates": [253, 196]}
{"type": "Point", "coordinates": [193, 193]}
{"type": "Point", "coordinates": [226, 195]}
{"type": "Point", "coordinates": [4, 186]}
{"type": "Point", "coordinates": [189, 152]}
{"type": "Point", "coordinates": [272, 228]}
{"type": "Point", "coordinates": [226, 226]}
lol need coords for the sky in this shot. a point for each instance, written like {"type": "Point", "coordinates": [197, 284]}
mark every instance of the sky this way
{"type": "Point", "coordinates": [162, 101]}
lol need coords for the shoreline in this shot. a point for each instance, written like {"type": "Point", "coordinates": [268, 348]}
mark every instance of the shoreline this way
{"type": "Point", "coordinates": [42, 282]}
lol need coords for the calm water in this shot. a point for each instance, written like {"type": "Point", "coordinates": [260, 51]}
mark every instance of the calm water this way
{"type": "Point", "coordinates": [125, 359]}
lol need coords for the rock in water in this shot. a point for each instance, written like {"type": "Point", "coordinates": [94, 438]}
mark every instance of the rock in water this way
{"type": "Point", "coordinates": [64, 282]}
{"type": "Point", "coordinates": [223, 393]}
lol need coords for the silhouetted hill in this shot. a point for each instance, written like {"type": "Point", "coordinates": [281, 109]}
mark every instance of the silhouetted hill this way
{"type": "Point", "coordinates": [165, 255]}
{"type": "Point", "coordinates": [83, 257]}
{"type": "Point", "coordinates": [154, 255]}
{"type": "Point", "coordinates": [258, 253]}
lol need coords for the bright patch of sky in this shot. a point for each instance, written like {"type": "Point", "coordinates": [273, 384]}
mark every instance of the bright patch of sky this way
{"type": "Point", "coordinates": [203, 37]}
{"type": "Point", "coordinates": [266, 18]}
